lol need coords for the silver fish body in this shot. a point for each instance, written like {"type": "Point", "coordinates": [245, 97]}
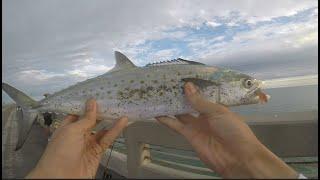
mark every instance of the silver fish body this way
{"type": "Point", "coordinates": [138, 93]}
{"type": "Point", "coordinates": [142, 93]}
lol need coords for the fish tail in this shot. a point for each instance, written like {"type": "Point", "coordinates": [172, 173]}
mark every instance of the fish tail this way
{"type": "Point", "coordinates": [26, 112]}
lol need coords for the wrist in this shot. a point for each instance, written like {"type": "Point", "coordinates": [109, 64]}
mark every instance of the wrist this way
{"type": "Point", "coordinates": [261, 163]}
{"type": "Point", "coordinates": [264, 164]}
{"type": "Point", "coordinates": [35, 174]}
{"type": "Point", "coordinates": [43, 172]}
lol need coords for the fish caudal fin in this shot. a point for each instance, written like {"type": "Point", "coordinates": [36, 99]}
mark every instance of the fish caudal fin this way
{"type": "Point", "coordinates": [25, 119]}
{"type": "Point", "coordinates": [19, 97]}
{"type": "Point", "coordinates": [25, 114]}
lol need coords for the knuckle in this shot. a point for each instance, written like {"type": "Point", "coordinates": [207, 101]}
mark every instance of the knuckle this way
{"type": "Point", "coordinates": [98, 150]}
{"type": "Point", "coordinates": [106, 143]}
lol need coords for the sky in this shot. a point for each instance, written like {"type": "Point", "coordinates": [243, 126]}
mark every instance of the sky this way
{"type": "Point", "coordinates": [50, 45]}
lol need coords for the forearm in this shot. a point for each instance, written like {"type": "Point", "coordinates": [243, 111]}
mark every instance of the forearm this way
{"type": "Point", "coordinates": [263, 164]}
{"type": "Point", "coordinates": [268, 165]}
{"type": "Point", "coordinates": [35, 174]}
{"type": "Point", "coordinates": [52, 173]}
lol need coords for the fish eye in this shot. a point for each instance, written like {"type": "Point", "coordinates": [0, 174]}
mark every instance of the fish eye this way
{"type": "Point", "coordinates": [248, 83]}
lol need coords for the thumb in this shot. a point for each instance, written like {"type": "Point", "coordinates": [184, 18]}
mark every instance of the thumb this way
{"type": "Point", "coordinates": [199, 103]}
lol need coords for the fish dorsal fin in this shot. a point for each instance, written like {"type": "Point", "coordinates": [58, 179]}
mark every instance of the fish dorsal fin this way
{"type": "Point", "coordinates": [122, 62]}
{"type": "Point", "coordinates": [174, 61]}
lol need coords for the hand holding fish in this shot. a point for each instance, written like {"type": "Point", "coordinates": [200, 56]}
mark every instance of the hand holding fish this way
{"type": "Point", "coordinates": [73, 151]}
{"type": "Point", "coordinates": [224, 142]}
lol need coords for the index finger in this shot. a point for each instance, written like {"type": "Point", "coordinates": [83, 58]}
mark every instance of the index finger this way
{"type": "Point", "coordinates": [113, 133]}
{"type": "Point", "coordinates": [89, 119]}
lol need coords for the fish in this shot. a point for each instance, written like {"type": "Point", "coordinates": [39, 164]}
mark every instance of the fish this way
{"type": "Point", "coordinates": [141, 93]}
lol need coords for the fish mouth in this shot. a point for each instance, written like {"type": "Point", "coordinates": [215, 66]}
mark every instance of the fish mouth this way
{"type": "Point", "coordinates": [262, 97]}
{"type": "Point", "coordinates": [258, 94]}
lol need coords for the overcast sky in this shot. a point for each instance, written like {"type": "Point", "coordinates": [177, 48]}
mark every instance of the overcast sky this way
{"type": "Point", "coordinates": [49, 45]}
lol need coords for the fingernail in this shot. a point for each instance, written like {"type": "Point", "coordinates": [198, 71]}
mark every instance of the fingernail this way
{"type": "Point", "coordinates": [90, 104]}
{"type": "Point", "coordinates": [190, 88]}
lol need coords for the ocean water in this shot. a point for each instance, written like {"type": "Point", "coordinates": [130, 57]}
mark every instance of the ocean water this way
{"type": "Point", "coordinates": [284, 99]}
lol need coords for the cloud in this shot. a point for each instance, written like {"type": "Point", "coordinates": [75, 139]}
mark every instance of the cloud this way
{"type": "Point", "coordinates": [89, 70]}
{"type": "Point", "coordinates": [267, 38]}
{"type": "Point", "coordinates": [213, 24]}
{"type": "Point", "coordinates": [57, 43]}
{"type": "Point", "coordinates": [202, 43]}
{"type": "Point", "coordinates": [165, 54]}
{"type": "Point", "coordinates": [37, 76]}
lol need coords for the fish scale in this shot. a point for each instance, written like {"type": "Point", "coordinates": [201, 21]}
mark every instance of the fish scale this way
{"type": "Point", "coordinates": [146, 95]}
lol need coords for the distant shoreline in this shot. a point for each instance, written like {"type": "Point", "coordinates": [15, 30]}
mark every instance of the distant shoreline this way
{"type": "Point", "coordinates": [291, 81]}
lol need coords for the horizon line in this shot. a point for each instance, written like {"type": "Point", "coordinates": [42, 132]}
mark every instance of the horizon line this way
{"type": "Point", "coordinates": [294, 81]}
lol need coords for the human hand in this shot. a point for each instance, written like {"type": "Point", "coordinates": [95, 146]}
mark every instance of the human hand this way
{"type": "Point", "coordinates": [224, 142]}
{"type": "Point", "coordinates": [73, 151]}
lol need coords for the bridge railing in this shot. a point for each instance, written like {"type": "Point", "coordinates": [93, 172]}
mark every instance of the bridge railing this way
{"type": "Point", "coordinates": [148, 149]}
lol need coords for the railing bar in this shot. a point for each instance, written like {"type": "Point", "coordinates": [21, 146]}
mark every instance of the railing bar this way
{"type": "Point", "coordinates": [170, 148]}
{"type": "Point", "coordinates": [176, 155]}
{"type": "Point", "coordinates": [302, 162]}
{"type": "Point", "coordinates": [190, 167]}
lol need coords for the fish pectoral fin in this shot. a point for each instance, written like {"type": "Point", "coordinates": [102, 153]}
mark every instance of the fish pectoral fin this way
{"type": "Point", "coordinates": [201, 83]}
{"type": "Point", "coordinates": [122, 62]}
